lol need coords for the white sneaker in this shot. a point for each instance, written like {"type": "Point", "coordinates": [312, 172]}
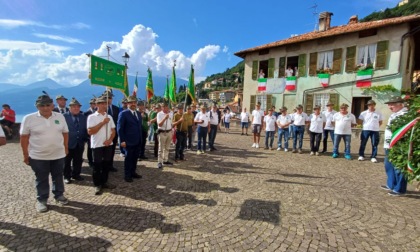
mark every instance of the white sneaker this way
{"type": "Point", "coordinates": [41, 206]}
{"type": "Point", "coordinates": [361, 158]}
{"type": "Point", "coordinates": [198, 152]}
{"type": "Point", "coordinates": [373, 160]}
{"type": "Point", "coordinates": [312, 153]}
{"type": "Point", "coordinates": [253, 145]}
{"type": "Point", "coordinates": [279, 149]}
{"type": "Point", "coordinates": [317, 153]}
{"type": "Point", "coordinates": [286, 150]}
{"type": "Point", "coordinates": [257, 146]}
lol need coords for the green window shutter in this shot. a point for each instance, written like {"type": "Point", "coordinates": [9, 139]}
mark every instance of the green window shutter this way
{"type": "Point", "coordinates": [252, 103]}
{"type": "Point", "coordinates": [381, 55]}
{"type": "Point", "coordinates": [302, 65]}
{"type": "Point", "coordinates": [254, 69]}
{"type": "Point", "coordinates": [282, 66]}
{"type": "Point", "coordinates": [350, 59]}
{"type": "Point", "coordinates": [309, 103]}
{"type": "Point", "coordinates": [270, 68]}
{"type": "Point", "coordinates": [334, 98]}
{"type": "Point", "coordinates": [269, 101]}
{"type": "Point", "coordinates": [337, 60]}
{"type": "Point", "coordinates": [313, 61]}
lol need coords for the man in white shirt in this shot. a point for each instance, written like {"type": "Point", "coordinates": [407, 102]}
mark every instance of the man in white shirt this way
{"type": "Point", "coordinates": [328, 128]}
{"type": "Point", "coordinates": [164, 121]}
{"type": "Point", "coordinates": [226, 119]}
{"type": "Point", "coordinates": [299, 120]}
{"type": "Point", "coordinates": [372, 120]}
{"type": "Point", "coordinates": [343, 121]}
{"type": "Point", "coordinates": [44, 141]}
{"type": "Point", "coordinates": [101, 128]}
{"type": "Point", "coordinates": [396, 183]}
{"type": "Point", "coordinates": [244, 121]}
{"type": "Point", "coordinates": [289, 71]}
{"type": "Point", "coordinates": [214, 124]}
{"type": "Point", "coordinates": [2, 137]}
{"type": "Point", "coordinates": [257, 121]}
{"type": "Point", "coordinates": [283, 123]}
{"type": "Point", "coordinates": [317, 122]}
{"type": "Point", "coordinates": [203, 127]}
{"type": "Point", "coordinates": [270, 129]}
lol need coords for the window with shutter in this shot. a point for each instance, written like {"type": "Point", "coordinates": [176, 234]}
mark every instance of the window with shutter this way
{"type": "Point", "coordinates": [252, 103]}
{"type": "Point", "coordinates": [335, 98]}
{"type": "Point", "coordinates": [255, 69]}
{"type": "Point", "coordinates": [337, 60]}
{"type": "Point", "coordinates": [269, 100]}
{"type": "Point", "coordinates": [350, 59]}
{"type": "Point", "coordinates": [381, 55]}
{"type": "Point", "coordinates": [302, 65]}
{"type": "Point", "coordinates": [282, 66]}
{"type": "Point", "coordinates": [309, 103]}
{"type": "Point", "coordinates": [313, 63]}
{"type": "Point", "coordinates": [270, 68]}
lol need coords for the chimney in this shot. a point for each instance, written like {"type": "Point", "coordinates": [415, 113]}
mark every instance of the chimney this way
{"type": "Point", "coordinates": [325, 20]}
{"type": "Point", "coordinates": [353, 19]}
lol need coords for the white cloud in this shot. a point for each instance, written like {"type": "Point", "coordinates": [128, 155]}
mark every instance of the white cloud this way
{"type": "Point", "coordinates": [26, 45]}
{"type": "Point", "coordinates": [225, 49]}
{"type": "Point", "coordinates": [14, 23]}
{"type": "Point", "coordinates": [59, 38]}
{"type": "Point", "coordinates": [28, 62]}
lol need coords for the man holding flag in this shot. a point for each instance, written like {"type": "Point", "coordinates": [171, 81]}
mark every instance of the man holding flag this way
{"type": "Point", "coordinates": [396, 183]}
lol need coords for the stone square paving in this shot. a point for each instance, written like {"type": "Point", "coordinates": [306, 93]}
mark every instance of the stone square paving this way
{"type": "Point", "coordinates": [235, 199]}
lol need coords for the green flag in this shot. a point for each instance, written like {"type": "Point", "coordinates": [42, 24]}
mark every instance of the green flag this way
{"type": "Point", "coordinates": [166, 95]}
{"type": "Point", "coordinates": [107, 73]}
{"type": "Point", "coordinates": [191, 86]}
{"type": "Point", "coordinates": [149, 85]}
{"type": "Point", "coordinates": [172, 87]}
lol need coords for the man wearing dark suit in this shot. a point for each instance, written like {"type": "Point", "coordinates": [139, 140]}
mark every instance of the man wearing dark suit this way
{"type": "Point", "coordinates": [61, 104]}
{"type": "Point", "coordinates": [91, 110]}
{"type": "Point", "coordinates": [113, 111]}
{"type": "Point", "coordinates": [129, 129]}
{"type": "Point", "coordinates": [76, 122]}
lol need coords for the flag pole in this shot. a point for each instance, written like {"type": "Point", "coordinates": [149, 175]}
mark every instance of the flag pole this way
{"type": "Point", "coordinates": [185, 101]}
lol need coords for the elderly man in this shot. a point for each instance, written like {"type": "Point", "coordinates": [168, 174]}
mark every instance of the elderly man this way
{"type": "Point", "coordinates": [181, 124]}
{"type": "Point", "coordinates": [396, 183]}
{"type": "Point", "coordinates": [299, 120]}
{"type": "Point", "coordinates": [343, 121]}
{"type": "Point", "coordinates": [101, 128]}
{"type": "Point", "coordinates": [164, 121]}
{"type": "Point", "coordinates": [76, 122]}
{"type": "Point", "coordinates": [61, 104]}
{"type": "Point", "coordinates": [371, 120]}
{"type": "Point", "coordinates": [257, 121]}
{"type": "Point", "coordinates": [131, 137]}
{"type": "Point", "coordinates": [328, 128]}
{"type": "Point", "coordinates": [203, 126]}
{"type": "Point", "coordinates": [214, 124]}
{"type": "Point", "coordinates": [44, 141]}
{"type": "Point", "coordinates": [113, 111]}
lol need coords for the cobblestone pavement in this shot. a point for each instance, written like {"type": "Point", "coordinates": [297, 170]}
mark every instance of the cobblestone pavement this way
{"type": "Point", "coordinates": [237, 198]}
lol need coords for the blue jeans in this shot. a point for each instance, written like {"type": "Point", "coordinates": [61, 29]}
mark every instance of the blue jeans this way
{"type": "Point", "coordinates": [374, 139]}
{"type": "Point", "coordinates": [269, 135]}
{"type": "Point", "coordinates": [212, 135]}
{"type": "Point", "coordinates": [283, 133]}
{"type": "Point", "coordinates": [151, 134]}
{"type": "Point", "coordinates": [202, 137]}
{"type": "Point", "coordinates": [395, 178]}
{"type": "Point", "coordinates": [43, 169]}
{"type": "Point", "coordinates": [337, 140]}
{"type": "Point", "coordinates": [325, 138]}
{"type": "Point", "coordinates": [298, 133]}
{"type": "Point", "coordinates": [291, 131]}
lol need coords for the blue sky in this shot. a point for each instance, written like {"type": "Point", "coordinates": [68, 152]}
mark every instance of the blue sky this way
{"type": "Point", "coordinates": [42, 39]}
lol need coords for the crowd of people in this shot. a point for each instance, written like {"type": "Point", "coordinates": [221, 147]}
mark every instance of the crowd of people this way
{"type": "Point", "coordinates": [53, 139]}
{"type": "Point", "coordinates": [334, 124]}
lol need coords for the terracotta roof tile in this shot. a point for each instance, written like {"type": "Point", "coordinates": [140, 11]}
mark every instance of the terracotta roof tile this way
{"type": "Point", "coordinates": [333, 31]}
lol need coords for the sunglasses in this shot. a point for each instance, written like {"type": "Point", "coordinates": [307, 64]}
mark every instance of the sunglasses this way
{"type": "Point", "coordinates": [44, 105]}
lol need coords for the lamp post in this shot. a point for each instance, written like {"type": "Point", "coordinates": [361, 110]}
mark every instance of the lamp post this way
{"type": "Point", "coordinates": [126, 58]}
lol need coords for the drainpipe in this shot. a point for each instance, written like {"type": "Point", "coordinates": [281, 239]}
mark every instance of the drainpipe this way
{"type": "Point", "coordinates": [403, 37]}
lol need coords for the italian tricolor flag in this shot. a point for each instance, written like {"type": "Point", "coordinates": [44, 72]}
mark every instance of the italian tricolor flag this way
{"type": "Point", "coordinates": [364, 78]}
{"type": "Point", "coordinates": [262, 85]}
{"type": "Point", "coordinates": [291, 83]}
{"type": "Point", "coordinates": [324, 79]}
{"type": "Point", "coordinates": [397, 135]}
